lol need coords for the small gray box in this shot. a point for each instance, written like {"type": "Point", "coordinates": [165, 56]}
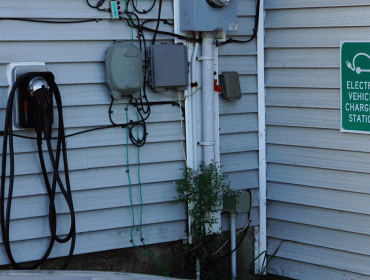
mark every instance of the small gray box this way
{"type": "Point", "coordinates": [168, 67]}
{"type": "Point", "coordinates": [124, 70]}
{"type": "Point", "coordinates": [230, 85]}
{"type": "Point", "coordinates": [198, 15]}
{"type": "Point", "coordinates": [243, 204]}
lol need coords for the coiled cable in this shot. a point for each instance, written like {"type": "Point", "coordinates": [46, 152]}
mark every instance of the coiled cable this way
{"type": "Point", "coordinates": [51, 188]}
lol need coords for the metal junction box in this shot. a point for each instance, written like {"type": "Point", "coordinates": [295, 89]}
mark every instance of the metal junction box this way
{"type": "Point", "coordinates": [168, 67]}
{"type": "Point", "coordinates": [202, 15]}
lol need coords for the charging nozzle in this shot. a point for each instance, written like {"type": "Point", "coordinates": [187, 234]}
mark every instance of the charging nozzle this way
{"type": "Point", "coordinates": [36, 84]}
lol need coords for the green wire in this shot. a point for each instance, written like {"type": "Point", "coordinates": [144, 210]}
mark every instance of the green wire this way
{"type": "Point", "coordinates": [141, 199]}
{"type": "Point", "coordinates": [130, 22]}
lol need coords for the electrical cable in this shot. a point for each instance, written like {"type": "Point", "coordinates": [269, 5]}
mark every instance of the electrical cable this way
{"type": "Point", "coordinates": [51, 21]}
{"type": "Point", "coordinates": [255, 30]}
{"type": "Point", "coordinates": [141, 27]}
{"type": "Point", "coordinates": [130, 22]}
{"type": "Point", "coordinates": [51, 189]}
{"type": "Point", "coordinates": [98, 5]}
{"type": "Point", "coordinates": [143, 12]}
{"type": "Point", "coordinates": [158, 21]}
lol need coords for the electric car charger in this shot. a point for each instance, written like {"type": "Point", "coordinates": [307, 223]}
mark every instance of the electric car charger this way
{"type": "Point", "coordinates": [36, 90]}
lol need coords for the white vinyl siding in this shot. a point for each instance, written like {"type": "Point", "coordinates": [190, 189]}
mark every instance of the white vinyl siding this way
{"type": "Point", "coordinates": [317, 187]}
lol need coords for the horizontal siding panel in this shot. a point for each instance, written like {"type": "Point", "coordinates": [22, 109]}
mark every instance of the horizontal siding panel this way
{"type": "Point", "coordinates": [322, 258]}
{"type": "Point", "coordinates": [303, 78]}
{"type": "Point", "coordinates": [239, 161]}
{"type": "Point", "coordinates": [158, 132]}
{"type": "Point", "coordinates": [319, 158]}
{"type": "Point", "coordinates": [238, 123]}
{"type": "Point", "coordinates": [328, 17]}
{"type": "Point", "coordinates": [286, 4]}
{"type": "Point", "coordinates": [306, 271]}
{"type": "Point", "coordinates": [239, 142]}
{"type": "Point", "coordinates": [321, 237]}
{"type": "Point", "coordinates": [88, 200]}
{"type": "Point", "coordinates": [247, 104]}
{"type": "Point", "coordinates": [69, 9]}
{"type": "Point", "coordinates": [89, 221]}
{"type": "Point", "coordinates": [333, 219]}
{"type": "Point", "coordinates": [95, 94]}
{"type": "Point", "coordinates": [243, 179]}
{"type": "Point", "coordinates": [303, 98]}
{"type": "Point", "coordinates": [103, 157]}
{"type": "Point", "coordinates": [317, 197]}
{"type": "Point", "coordinates": [315, 118]}
{"type": "Point", "coordinates": [102, 240]}
{"type": "Point", "coordinates": [314, 37]}
{"type": "Point", "coordinates": [248, 84]}
{"type": "Point", "coordinates": [102, 30]}
{"type": "Point", "coordinates": [238, 49]}
{"type": "Point", "coordinates": [323, 178]}
{"type": "Point", "coordinates": [302, 58]}
{"type": "Point", "coordinates": [160, 176]}
{"type": "Point", "coordinates": [243, 65]}
{"type": "Point", "coordinates": [317, 138]}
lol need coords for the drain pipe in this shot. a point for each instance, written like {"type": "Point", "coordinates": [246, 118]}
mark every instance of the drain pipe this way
{"type": "Point", "coordinates": [208, 116]}
{"type": "Point", "coordinates": [261, 231]}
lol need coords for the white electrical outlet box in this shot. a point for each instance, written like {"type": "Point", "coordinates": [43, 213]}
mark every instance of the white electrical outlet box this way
{"type": "Point", "coordinates": [16, 69]}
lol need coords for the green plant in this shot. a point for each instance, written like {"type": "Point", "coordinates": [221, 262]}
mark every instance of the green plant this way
{"type": "Point", "coordinates": [202, 192]}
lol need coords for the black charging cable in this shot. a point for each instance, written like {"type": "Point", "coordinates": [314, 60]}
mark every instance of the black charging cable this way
{"type": "Point", "coordinates": [43, 125]}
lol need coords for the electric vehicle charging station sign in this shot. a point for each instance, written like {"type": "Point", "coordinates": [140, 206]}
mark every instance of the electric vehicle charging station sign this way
{"type": "Point", "coordinates": [355, 87]}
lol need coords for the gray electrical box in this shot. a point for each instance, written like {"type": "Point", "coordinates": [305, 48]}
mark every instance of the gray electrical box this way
{"type": "Point", "coordinates": [124, 70]}
{"type": "Point", "coordinates": [205, 15]}
{"type": "Point", "coordinates": [168, 67]}
{"type": "Point", "coordinates": [230, 85]}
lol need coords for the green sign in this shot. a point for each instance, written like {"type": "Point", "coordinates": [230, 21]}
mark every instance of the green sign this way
{"type": "Point", "coordinates": [355, 87]}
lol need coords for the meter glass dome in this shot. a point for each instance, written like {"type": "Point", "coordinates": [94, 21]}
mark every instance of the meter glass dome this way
{"type": "Point", "coordinates": [218, 3]}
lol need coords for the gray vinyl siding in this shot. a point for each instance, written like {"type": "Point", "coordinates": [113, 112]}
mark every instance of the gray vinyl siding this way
{"type": "Point", "coordinates": [317, 177]}
{"type": "Point", "coordinates": [238, 119]}
{"type": "Point", "coordinates": [98, 160]}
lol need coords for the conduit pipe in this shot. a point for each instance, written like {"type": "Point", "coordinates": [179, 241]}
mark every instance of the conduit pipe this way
{"type": "Point", "coordinates": [233, 244]}
{"type": "Point", "coordinates": [194, 106]}
{"type": "Point", "coordinates": [208, 116]}
{"type": "Point", "coordinates": [261, 231]}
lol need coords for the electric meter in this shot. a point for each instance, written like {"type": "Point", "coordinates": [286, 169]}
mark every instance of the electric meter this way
{"type": "Point", "coordinates": [208, 15]}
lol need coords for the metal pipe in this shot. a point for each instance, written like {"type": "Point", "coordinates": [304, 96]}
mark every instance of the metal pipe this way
{"type": "Point", "coordinates": [208, 97]}
{"type": "Point", "coordinates": [261, 246]}
{"type": "Point", "coordinates": [233, 244]}
{"type": "Point", "coordinates": [194, 106]}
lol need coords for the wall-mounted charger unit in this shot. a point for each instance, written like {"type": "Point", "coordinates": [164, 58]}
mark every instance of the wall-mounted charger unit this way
{"type": "Point", "coordinates": [208, 15]}
{"type": "Point", "coordinates": [168, 67]}
{"type": "Point", "coordinates": [124, 70]}
{"type": "Point", "coordinates": [24, 104]}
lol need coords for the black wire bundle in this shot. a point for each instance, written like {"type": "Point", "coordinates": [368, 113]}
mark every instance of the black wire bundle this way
{"type": "Point", "coordinates": [143, 12]}
{"type": "Point", "coordinates": [97, 6]}
{"type": "Point", "coordinates": [51, 189]}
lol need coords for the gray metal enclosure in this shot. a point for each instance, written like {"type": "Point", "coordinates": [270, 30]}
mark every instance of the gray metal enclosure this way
{"type": "Point", "coordinates": [98, 160]}
{"type": "Point", "coordinates": [318, 178]}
